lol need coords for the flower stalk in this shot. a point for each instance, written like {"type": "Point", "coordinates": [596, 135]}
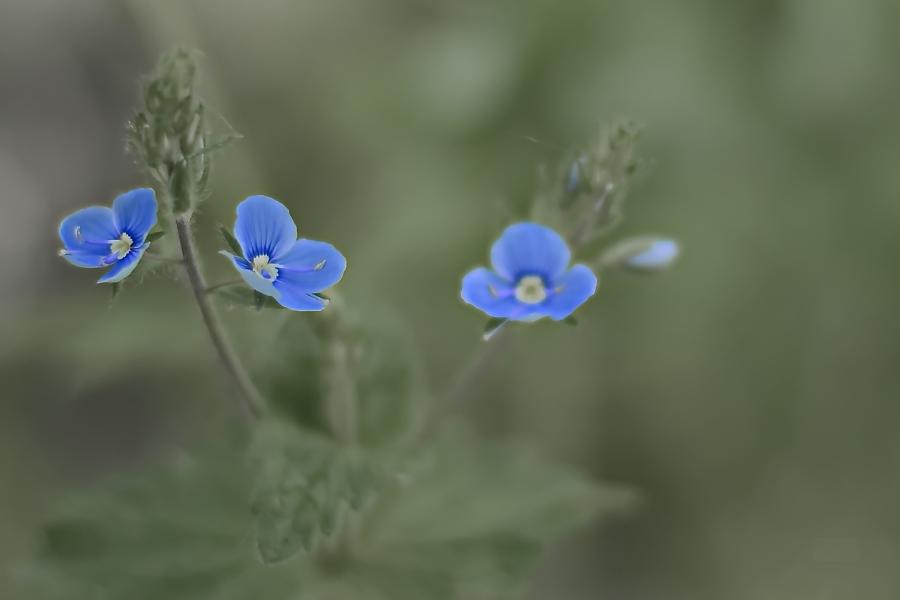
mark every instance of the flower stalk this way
{"type": "Point", "coordinates": [251, 402]}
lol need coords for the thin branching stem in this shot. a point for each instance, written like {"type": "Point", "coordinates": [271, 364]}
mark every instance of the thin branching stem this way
{"type": "Point", "coordinates": [218, 286]}
{"type": "Point", "coordinates": [473, 373]}
{"type": "Point", "coordinates": [251, 401]}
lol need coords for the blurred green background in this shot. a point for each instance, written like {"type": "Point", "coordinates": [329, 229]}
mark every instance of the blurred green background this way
{"type": "Point", "coordinates": [751, 392]}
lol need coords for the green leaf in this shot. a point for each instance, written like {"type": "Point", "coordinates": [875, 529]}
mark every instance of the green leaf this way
{"type": "Point", "coordinates": [476, 513]}
{"type": "Point", "coordinates": [152, 237]}
{"type": "Point", "coordinates": [232, 242]}
{"type": "Point", "coordinates": [571, 320]}
{"type": "Point", "coordinates": [177, 531]}
{"type": "Point", "coordinates": [304, 482]}
{"type": "Point", "coordinates": [371, 363]}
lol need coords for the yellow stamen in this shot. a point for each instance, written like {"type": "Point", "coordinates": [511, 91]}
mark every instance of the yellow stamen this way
{"type": "Point", "coordinates": [531, 290]}
{"type": "Point", "coordinates": [265, 269]}
{"type": "Point", "coordinates": [122, 246]}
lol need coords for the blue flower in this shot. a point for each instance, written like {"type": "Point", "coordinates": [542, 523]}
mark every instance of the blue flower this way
{"type": "Point", "coordinates": [658, 255]}
{"type": "Point", "coordinates": [98, 236]}
{"type": "Point", "coordinates": [531, 277]}
{"type": "Point", "coordinates": [276, 263]}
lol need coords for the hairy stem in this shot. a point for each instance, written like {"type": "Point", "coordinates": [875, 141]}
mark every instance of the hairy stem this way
{"type": "Point", "coordinates": [468, 379]}
{"type": "Point", "coordinates": [251, 401]}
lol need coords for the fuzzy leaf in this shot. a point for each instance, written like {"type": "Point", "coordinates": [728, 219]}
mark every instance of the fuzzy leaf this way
{"type": "Point", "coordinates": [304, 482]}
{"type": "Point", "coordinates": [177, 532]}
{"type": "Point", "coordinates": [475, 513]}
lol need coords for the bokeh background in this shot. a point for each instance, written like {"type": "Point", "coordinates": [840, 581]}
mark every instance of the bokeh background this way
{"type": "Point", "coordinates": [751, 393]}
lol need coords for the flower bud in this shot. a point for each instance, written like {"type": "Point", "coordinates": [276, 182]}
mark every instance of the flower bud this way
{"type": "Point", "coordinates": [642, 254]}
{"type": "Point", "coordinates": [168, 134]}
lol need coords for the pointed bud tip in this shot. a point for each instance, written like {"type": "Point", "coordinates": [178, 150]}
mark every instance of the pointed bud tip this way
{"type": "Point", "coordinates": [658, 255]}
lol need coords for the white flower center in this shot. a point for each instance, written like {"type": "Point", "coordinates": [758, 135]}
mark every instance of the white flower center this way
{"type": "Point", "coordinates": [265, 269]}
{"type": "Point", "coordinates": [531, 290]}
{"type": "Point", "coordinates": [122, 246]}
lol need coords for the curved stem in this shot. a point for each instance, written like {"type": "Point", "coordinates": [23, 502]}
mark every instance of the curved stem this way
{"type": "Point", "coordinates": [469, 378]}
{"type": "Point", "coordinates": [251, 402]}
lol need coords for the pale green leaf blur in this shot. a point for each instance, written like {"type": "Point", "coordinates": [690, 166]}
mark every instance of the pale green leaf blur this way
{"type": "Point", "coordinates": [750, 393]}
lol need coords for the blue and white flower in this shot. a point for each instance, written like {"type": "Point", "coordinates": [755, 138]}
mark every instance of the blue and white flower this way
{"type": "Point", "coordinates": [99, 236]}
{"type": "Point", "coordinates": [531, 277]}
{"type": "Point", "coordinates": [276, 263]}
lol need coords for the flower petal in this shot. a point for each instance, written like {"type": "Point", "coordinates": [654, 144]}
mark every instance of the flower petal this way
{"type": "Point", "coordinates": [311, 265]}
{"type": "Point", "coordinates": [250, 277]}
{"type": "Point", "coordinates": [490, 293]}
{"type": "Point", "coordinates": [575, 287]}
{"type": "Point", "coordinates": [296, 298]}
{"type": "Point", "coordinates": [135, 213]}
{"type": "Point", "coordinates": [264, 226]}
{"type": "Point", "coordinates": [85, 260]}
{"type": "Point", "coordinates": [530, 249]}
{"type": "Point", "coordinates": [123, 268]}
{"type": "Point", "coordinates": [89, 230]}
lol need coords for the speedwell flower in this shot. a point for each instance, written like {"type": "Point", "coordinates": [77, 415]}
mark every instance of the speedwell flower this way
{"type": "Point", "coordinates": [99, 236]}
{"type": "Point", "coordinates": [276, 263]}
{"type": "Point", "coordinates": [531, 277]}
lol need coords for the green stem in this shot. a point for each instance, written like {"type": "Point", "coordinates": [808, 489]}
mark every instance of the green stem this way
{"type": "Point", "coordinates": [341, 404]}
{"type": "Point", "coordinates": [251, 401]}
{"type": "Point", "coordinates": [218, 286]}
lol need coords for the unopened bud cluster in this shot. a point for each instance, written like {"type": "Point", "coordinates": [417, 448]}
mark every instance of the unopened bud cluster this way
{"type": "Point", "coordinates": [168, 133]}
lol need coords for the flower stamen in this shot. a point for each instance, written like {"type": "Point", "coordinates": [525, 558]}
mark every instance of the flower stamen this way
{"type": "Point", "coordinates": [122, 246]}
{"type": "Point", "coordinates": [265, 269]}
{"type": "Point", "coordinates": [531, 290]}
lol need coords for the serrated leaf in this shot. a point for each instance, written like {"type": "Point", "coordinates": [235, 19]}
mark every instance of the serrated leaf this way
{"type": "Point", "coordinates": [304, 482]}
{"type": "Point", "coordinates": [476, 513]}
{"type": "Point", "coordinates": [232, 242]}
{"type": "Point", "coordinates": [177, 531]}
{"type": "Point", "coordinates": [155, 235]}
